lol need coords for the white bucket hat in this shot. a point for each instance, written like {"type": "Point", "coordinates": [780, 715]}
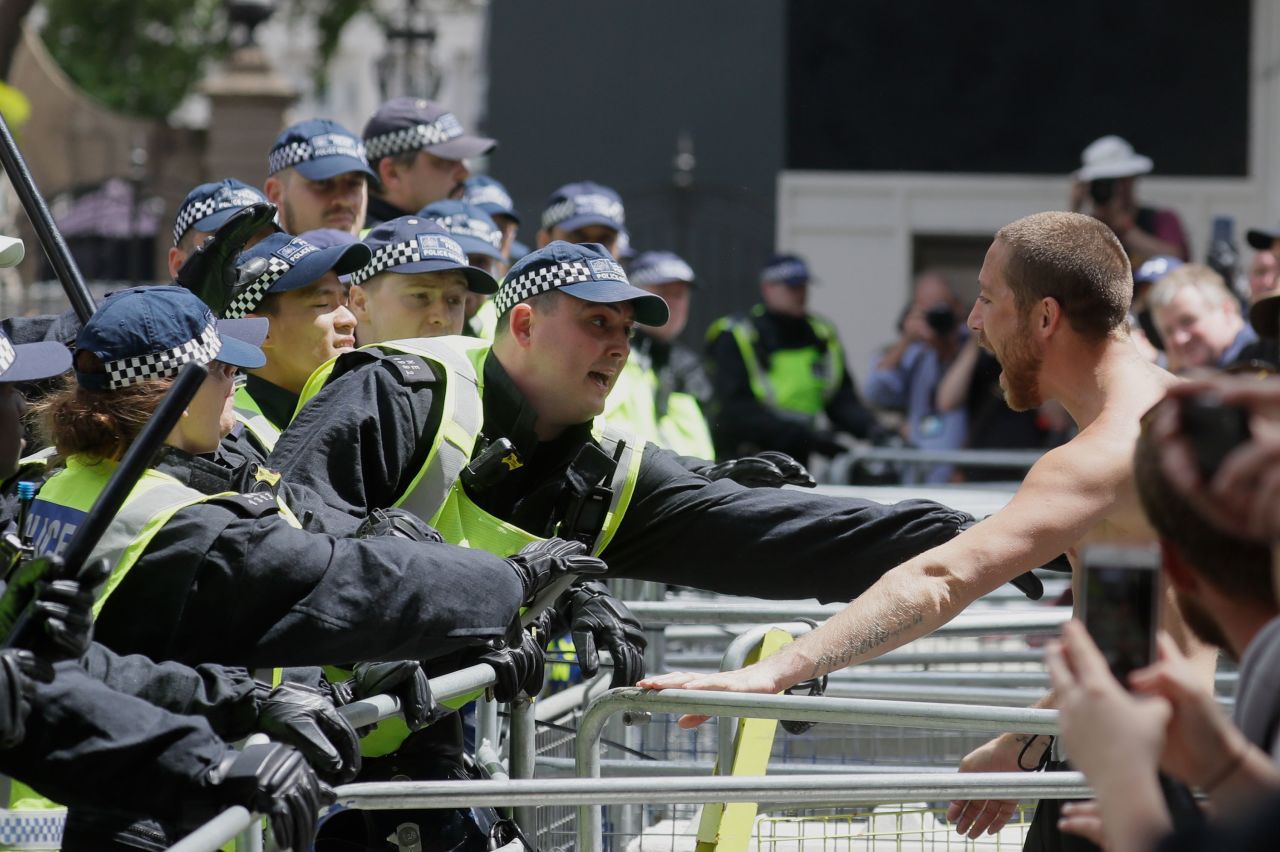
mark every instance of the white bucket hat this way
{"type": "Point", "coordinates": [1111, 157]}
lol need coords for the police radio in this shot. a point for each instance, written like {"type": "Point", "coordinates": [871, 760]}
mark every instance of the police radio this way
{"type": "Point", "coordinates": [589, 495]}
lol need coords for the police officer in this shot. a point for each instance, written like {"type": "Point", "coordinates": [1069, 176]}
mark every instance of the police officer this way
{"type": "Point", "coordinates": [207, 208]}
{"type": "Point", "coordinates": [318, 176]}
{"type": "Point", "coordinates": [777, 369]}
{"type": "Point", "coordinates": [482, 239]}
{"type": "Point", "coordinates": [72, 727]}
{"type": "Point", "coordinates": [584, 212]}
{"type": "Point", "coordinates": [419, 150]}
{"type": "Point", "coordinates": [488, 193]}
{"type": "Point", "coordinates": [680, 385]}
{"type": "Point", "coordinates": [240, 582]}
{"type": "Point", "coordinates": [520, 420]}
{"type": "Point", "coordinates": [294, 285]}
{"type": "Point", "coordinates": [417, 283]}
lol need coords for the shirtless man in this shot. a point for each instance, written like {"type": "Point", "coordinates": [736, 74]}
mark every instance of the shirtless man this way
{"type": "Point", "coordinates": [1055, 291]}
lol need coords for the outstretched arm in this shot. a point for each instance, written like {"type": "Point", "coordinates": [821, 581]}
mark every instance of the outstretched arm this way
{"type": "Point", "coordinates": [1065, 494]}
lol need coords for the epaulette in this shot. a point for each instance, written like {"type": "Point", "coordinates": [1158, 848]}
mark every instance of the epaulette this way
{"type": "Point", "coordinates": [254, 505]}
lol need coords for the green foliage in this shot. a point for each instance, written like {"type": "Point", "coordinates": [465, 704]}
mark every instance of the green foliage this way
{"type": "Point", "coordinates": [138, 56]}
{"type": "Point", "coordinates": [330, 17]}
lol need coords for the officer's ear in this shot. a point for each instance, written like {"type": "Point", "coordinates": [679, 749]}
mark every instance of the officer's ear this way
{"type": "Point", "coordinates": [274, 190]}
{"type": "Point", "coordinates": [358, 301]}
{"type": "Point", "coordinates": [521, 319]}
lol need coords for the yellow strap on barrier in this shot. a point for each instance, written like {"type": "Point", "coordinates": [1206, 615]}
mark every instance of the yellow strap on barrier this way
{"type": "Point", "coordinates": [727, 827]}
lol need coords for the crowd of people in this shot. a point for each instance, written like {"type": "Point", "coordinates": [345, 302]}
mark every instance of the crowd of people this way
{"type": "Point", "coordinates": [414, 429]}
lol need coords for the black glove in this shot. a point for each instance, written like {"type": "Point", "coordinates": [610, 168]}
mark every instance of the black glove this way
{"type": "Point", "coordinates": [596, 617]}
{"type": "Point", "coordinates": [210, 271]}
{"type": "Point", "coordinates": [542, 563]}
{"type": "Point", "coordinates": [404, 679]}
{"type": "Point", "coordinates": [274, 780]}
{"type": "Point", "coordinates": [769, 469]}
{"type": "Point", "coordinates": [398, 523]}
{"type": "Point", "coordinates": [306, 719]}
{"type": "Point", "coordinates": [518, 662]}
{"type": "Point", "coordinates": [826, 444]}
{"type": "Point", "coordinates": [18, 668]}
{"type": "Point", "coordinates": [66, 609]}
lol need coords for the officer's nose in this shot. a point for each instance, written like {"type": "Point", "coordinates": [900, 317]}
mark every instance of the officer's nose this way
{"type": "Point", "coordinates": [343, 320]}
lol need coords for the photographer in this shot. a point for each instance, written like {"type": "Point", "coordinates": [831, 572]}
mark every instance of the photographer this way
{"type": "Point", "coordinates": [906, 376]}
{"type": "Point", "coordinates": [1106, 188]}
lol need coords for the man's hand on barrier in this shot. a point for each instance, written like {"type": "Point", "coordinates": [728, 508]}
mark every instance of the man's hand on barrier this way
{"type": "Point", "coordinates": [542, 563]}
{"type": "Point", "coordinates": [975, 816]}
{"type": "Point", "coordinates": [519, 663]}
{"type": "Point", "coordinates": [66, 609]}
{"type": "Point", "coordinates": [769, 469]}
{"type": "Point", "coordinates": [18, 670]}
{"type": "Point", "coordinates": [753, 678]}
{"type": "Point", "coordinates": [210, 271]}
{"type": "Point", "coordinates": [597, 618]}
{"type": "Point", "coordinates": [305, 718]}
{"type": "Point", "coordinates": [274, 779]}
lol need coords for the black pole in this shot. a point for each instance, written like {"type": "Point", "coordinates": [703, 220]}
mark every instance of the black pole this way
{"type": "Point", "coordinates": [64, 265]}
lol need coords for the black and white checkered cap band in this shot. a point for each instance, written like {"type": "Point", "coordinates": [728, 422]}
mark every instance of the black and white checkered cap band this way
{"type": "Point", "coordinates": [290, 155]}
{"type": "Point", "coordinates": [593, 204]}
{"type": "Point", "coordinates": [7, 354]}
{"type": "Point", "coordinates": [490, 194]}
{"type": "Point", "coordinates": [221, 200]}
{"type": "Point", "coordinates": [661, 273]}
{"type": "Point", "coordinates": [191, 214]}
{"type": "Point", "coordinates": [464, 226]}
{"type": "Point", "coordinates": [535, 281]}
{"type": "Point", "coordinates": [785, 270]}
{"type": "Point", "coordinates": [442, 129]}
{"type": "Point", "coordinates": [251, 296]}
{"type": "Point", "coordinates": [139, 368]}
{"type": "Point", "coordinates": [410, 251]}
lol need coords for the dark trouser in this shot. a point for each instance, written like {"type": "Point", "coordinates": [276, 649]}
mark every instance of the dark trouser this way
{"type": "Point", "coordinates": [1044, 836]}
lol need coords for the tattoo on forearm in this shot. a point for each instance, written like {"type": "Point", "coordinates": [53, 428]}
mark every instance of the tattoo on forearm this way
{"type": "Point", "coordinates": [858, 644]}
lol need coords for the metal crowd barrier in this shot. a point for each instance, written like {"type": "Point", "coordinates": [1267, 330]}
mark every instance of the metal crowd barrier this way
{"type": "Point", "coordinates": [1027, 621]}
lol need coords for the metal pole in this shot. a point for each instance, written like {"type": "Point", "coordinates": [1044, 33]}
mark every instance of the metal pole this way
{"type": "Point", "coordinates": [1041, 620]}
{"type": "Point", "coordinates": [800, 708]}
{"type": "Point", "coordinates": [791, 789]}
{"type": "Point", "coordinates": [523, 744]}
{"type": "Point", "coordinates": [55, 248]}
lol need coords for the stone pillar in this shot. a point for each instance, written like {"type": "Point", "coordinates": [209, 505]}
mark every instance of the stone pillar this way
{"type": "Point", "coordinates": [247, 103]}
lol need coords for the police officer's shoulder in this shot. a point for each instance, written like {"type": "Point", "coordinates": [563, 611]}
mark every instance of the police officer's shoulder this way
{"type": "Point", "coordinates": [256, 504]}
{"type": "Point", "coordinates": [407, 369]}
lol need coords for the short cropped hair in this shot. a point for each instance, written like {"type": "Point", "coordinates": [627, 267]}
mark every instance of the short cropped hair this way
{"type": "Point", "coordinates": [1074, 259]}
{"type": "Point", "coordinates": [543, 303]}
{"type": "Point", "coordinates": [1195, 276]}
{"type": "Point", "coordinates": [1238, 568]}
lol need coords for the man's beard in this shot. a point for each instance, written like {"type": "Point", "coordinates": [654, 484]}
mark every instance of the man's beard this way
{"type": "Point", "coordinates": [1202, 624]}
{"type": "Point", "coordinates": [1020, 364]}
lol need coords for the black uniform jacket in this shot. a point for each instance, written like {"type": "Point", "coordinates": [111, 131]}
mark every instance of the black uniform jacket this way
{"type": "Point", "coordinates": [123, 732]}
{"type": "Point", "coordinates": [362, 439]}
{"type": "Point", "coordinates": [230, 581]}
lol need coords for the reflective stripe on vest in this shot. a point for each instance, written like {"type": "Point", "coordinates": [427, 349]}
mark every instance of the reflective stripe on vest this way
{"type": "Point", "coordinates": [249, 413]}
{"type": "Point", "coordinates": [65, 500]}
{"type": "Point", "coordinates": [798, 380]}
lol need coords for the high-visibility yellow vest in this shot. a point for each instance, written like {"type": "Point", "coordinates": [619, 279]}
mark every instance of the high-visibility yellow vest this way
{"type": "Point", "coordinates": [800, 380]}
{"type": "Point", "coordinates": [250, 415]}
{"type": "Point", "coordinates": [632, 406]}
